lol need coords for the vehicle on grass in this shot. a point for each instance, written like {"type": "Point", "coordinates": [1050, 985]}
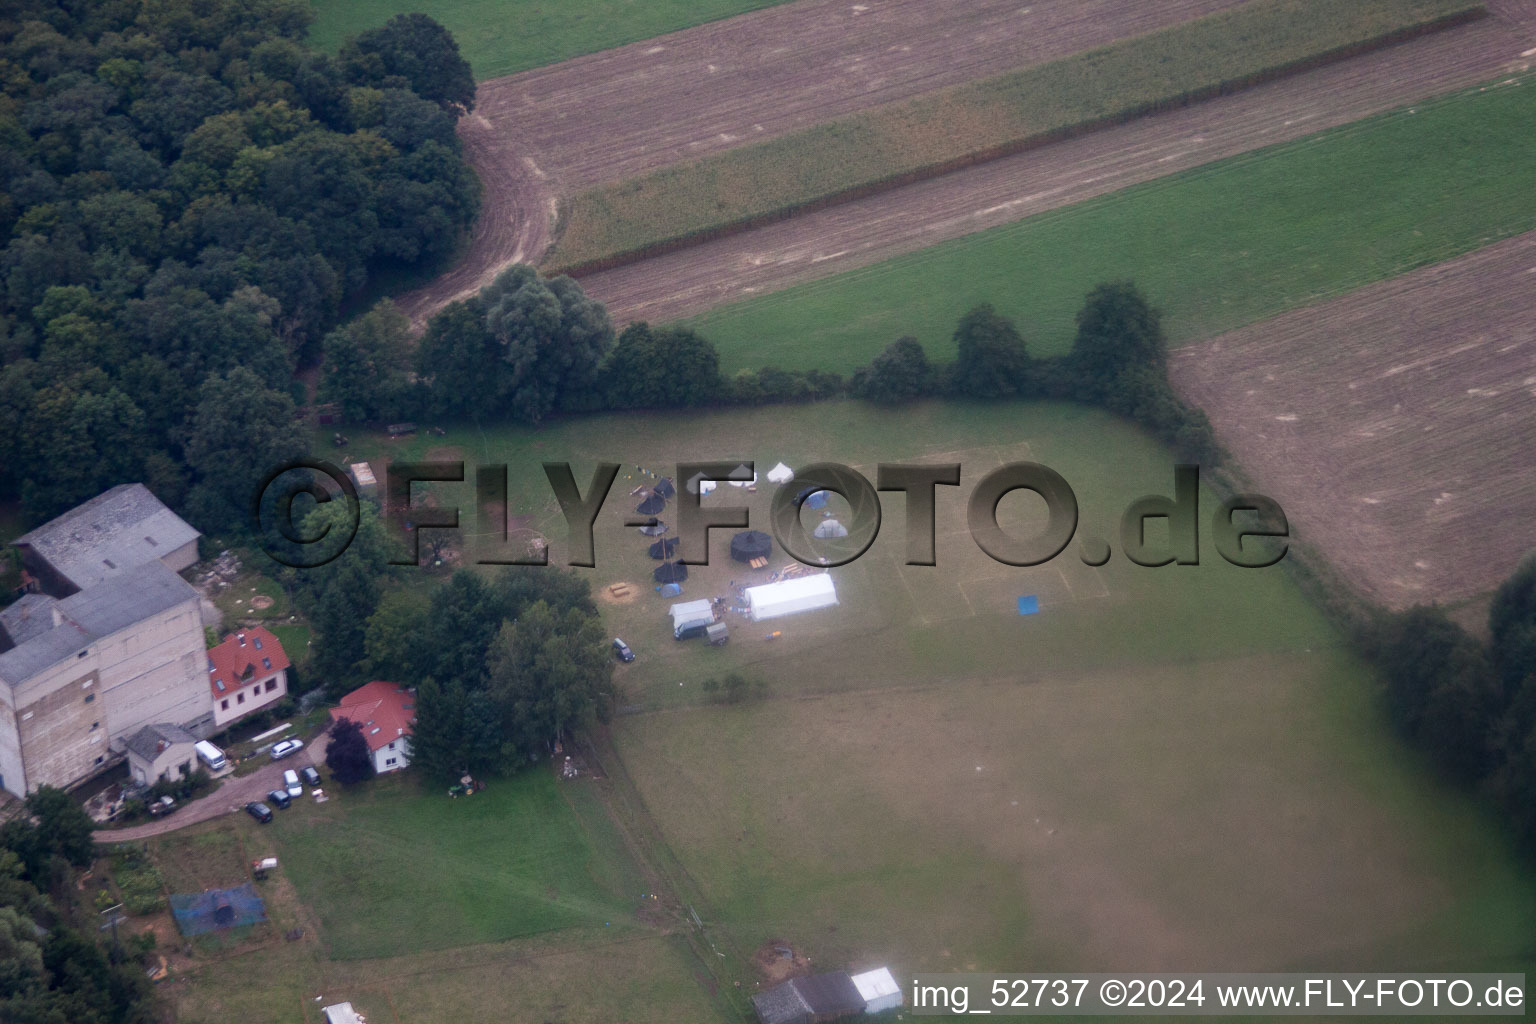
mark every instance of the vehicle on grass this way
{"type": "Point", "coordinates": [310, 774]}
{"type": "Point", "coordinates": [292, 784]}
{"type": "Point", "coordinates": [622, 651]}
{"type": "Point", "coordinates": [260, 811]}
{"type": "Point", "coordinates": [286, 747]}
{"type": "Point", "coordinates": [689, 630]}
{"type": "Point", "coordinates": [210, 755]}
{"type": "Point", "coordinates": [719, 633]}
{"type": "Point", "coordinates": [161, 807]}
{"type": "Point", "coordinates": [280, 798]}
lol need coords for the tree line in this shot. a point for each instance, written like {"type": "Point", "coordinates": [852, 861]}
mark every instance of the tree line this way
{"type": "Point", "coordinates": [189, 197]}
{"type": "Point", "coordinates": [526, 348]}
{"type": "Point", "coordinates": [1468, 704]}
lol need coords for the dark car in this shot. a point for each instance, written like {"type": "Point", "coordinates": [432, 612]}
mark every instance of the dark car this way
{"type": "Point", "coordinates": [310, 776]}
{"type": "Point", "coordinates": [621, 649]}
{"type": "Point", "coordinates": [280, 798]}
{"type": "Point", "coordinates": [261, 812]}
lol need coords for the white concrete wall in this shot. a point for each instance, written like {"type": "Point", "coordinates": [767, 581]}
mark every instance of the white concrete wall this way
{"type": "Point", "coordinates": [152, 671]}
{"type": "Point", "coordinates": [256, 698]}
{"type": "Point", "coordinates": [401, 754]}
{"type": "Point", "coordinates": [12, 775]}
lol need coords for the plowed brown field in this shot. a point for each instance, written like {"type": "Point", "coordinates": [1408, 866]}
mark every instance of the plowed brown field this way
{"type": "Point", "coordinates": [1394, 424]}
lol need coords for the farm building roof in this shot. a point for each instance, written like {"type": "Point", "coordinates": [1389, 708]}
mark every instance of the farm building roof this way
{"type": "Point", "coordinates": [385, 711]}
{"type": "Point", "coordinates": [249, 654]}
{"type": "Point", "coordinates": [114, 531]}
{"type": "Point", "coordinates": [152, 740]}
{"type": "Point", "coordinates": [81, 619]}
{"type": "Point", "coordinates": [818, 997]}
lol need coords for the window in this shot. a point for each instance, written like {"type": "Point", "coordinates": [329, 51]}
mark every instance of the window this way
{"type": "Point", "coordinates": [271, 685]}
{"type": "Point", "coordinates": [224, 704]}
{"type": "Point", "coordinates": [100, 759]}
{"type": "Point", "coordinates": [152, 542]}
{"type": "Point", "coordinates": [90, 697]}
{"type": "Point", "coordinates": [257, 641]}
{"type": "Point", "coordinates": [108, 563]}
{"type": "Point", "coordinates": [240, 697]}
{"type": "Point", "coordinates": [389, 761]}
{"type": "Point", "coordinates": [266, 663]}
{"type": "Point", "coordinates": [95, 726]}
{"type": "Point", "coordinates": [220, 684]}
{"type": "Point", "coordinates": [83, 654]}
{"type": "Point", "coordinates": [391, 746]}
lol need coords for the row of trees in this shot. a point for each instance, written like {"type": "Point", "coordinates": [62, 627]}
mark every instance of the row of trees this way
{"type": "Point", "coordinates": [188, 197]}
{"type": "Point", "coordinates": [526, 348]}
{"type": "Point", "coordinates": [1469, 706]}
{"type": "Point", "coordinates": [52, 968]}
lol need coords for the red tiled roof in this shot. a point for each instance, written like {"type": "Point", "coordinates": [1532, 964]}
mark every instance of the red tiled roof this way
{"type": "Point", "coordinates": [385, 711]}
{"type": "Point", "coordinates": [255, 651]}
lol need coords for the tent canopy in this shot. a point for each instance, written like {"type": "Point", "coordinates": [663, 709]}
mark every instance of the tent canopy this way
{"type": "Point", "coordinates": [813, 499]}
{"type": "Point", "coordinates": [831, 528]}
{"type": "Point", "coordinates": [654, 531]}
{"type": "Point", "coordinates": [751, 544]}
{"type": "Point", "coordinates": [803, 594]}
{"type": "Point", "coordinates": [664, 487]}
{"type": "Point", "coordinates": [690, 611]}
{"type": "Point", "coordinates": [663, 548]}
{"type": "Point", "coordinates": [651, 505]}
{"type": "Point", "coordinates": [671, 572]}
{"type": "Point", "coordinates": [781, 474]}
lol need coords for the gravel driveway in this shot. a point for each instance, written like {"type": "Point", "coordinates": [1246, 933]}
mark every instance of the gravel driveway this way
{"type": "Point", "coordinates": [232, 795]}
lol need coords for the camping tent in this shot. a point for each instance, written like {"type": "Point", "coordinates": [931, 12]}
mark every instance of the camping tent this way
{"type": "Point", "coordinates": [700, 486]}
{"type": "Point", "coordinates": [691, 611]}
{"type": "Point", "coordinates": [664, 487]}
{"type": "Point", "coordinates": [781, 474]}
{"type": "Point", "coordinates": [813, 499]}
{"type": "Point", "coordinates": [654, 531]}
{"type": "Point", "coordinates": [669, 589]}
{"type": "Point", "coordinates": [806, 593]}
{"type": "Point", "coordinates": [879, 989]}
{"type": "Point", "coordinates": [651, 505]}
{"type": "Point", "coordinates": [831, 528]}
{"type": "Point", "coordinates": [751, 544]}
{"type": "Point", "coordinates": [663, 548]}
{"type": "Point", "coordinates": [671, 572]}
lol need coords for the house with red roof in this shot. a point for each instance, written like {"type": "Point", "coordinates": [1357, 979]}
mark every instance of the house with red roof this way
{"type": "Point", "coordinates": [247, 671]}
{"type": "Point", "coordinates": [386, 712]}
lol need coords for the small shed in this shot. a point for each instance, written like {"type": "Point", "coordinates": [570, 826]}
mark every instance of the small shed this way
{"type": "Point", "coordinates": [820, 997]}
{"type": "Point", "coordinates": [341, 1013]}
{"type": "Point", "coordinates": [879, 990]}
{"type": "Point", "coordinates": [362, 475]}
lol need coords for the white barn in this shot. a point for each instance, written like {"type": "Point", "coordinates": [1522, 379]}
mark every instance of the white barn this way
{"type": "Point", "coordinates": [787, 597]}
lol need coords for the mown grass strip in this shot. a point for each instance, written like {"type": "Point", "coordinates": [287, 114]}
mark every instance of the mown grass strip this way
{"type": "Point", "coordinates": [1214, 248]}
{"type": "Point", "coordinates": [952, 128]}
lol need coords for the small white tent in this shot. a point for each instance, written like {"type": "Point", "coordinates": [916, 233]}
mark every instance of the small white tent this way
{"type": "Point", "coordinates": [831, 528]}
{"type": "Point", "coordinates": [879, 989]}
{"type": "Point", "coordinates": [781, 474]}
{"type": "Point", "coordinates": [807, 593]}
{"type": "Point", "coordinates": [691, 611]}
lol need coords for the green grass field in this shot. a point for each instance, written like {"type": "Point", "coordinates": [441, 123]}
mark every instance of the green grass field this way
{"type": "Point", "coordinates": [1177, 767]}
{"type": "Point", "coordinates": [510, 861]}
{"type": "Point", "coordinates": [1214, 248]}
{"type": "Point", "coordinates": [937, 131]}
{"type": "Point", "coordinates": [499, 37]}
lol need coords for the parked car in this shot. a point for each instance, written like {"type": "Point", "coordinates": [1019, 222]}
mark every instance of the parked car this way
{"type": "Point", "coordinates": [292, 784]}
{"type": "Point", "coordinates": [310, 775]}
{"type": "Point", "coordinates": [161, 807]}
{"type": "Point", "coordinates": [286, 747]}
{"type": "Point", "coordinates": [621, 649]}
{"type": "Point", "coordinates": [261, 812]}
{"type": "Point", "coordinates": [280, 798]}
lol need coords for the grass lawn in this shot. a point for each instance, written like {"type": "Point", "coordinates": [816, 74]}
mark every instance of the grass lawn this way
{"type": "Point", "coordinates": [1176, 767]}
{"type": "Point", "coordinates": [1214, 248]}
{"type": "Point", "coordinates": [926, 135]}
{"type": "Point", "coordinates": [499, 37]}
{"type": "Point", "coordinates": [389, 869]}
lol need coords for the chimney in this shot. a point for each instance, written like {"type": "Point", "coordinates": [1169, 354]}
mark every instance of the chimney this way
{"type": "Point", "coordinates": [58, 617]}
{"type": "Point", "coordinates": [241, 638]}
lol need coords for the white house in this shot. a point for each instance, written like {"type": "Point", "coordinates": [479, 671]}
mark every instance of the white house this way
{"type": "Point", "coordinates": [247, 671]}
{"type": "Point", "coordinates": [386, 712]}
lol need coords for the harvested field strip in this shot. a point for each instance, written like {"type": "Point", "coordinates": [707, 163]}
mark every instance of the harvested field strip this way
{"type": "Point", "coordinates": [1217, 247]}
{"type": "Point", "coordinates": [952, 128]}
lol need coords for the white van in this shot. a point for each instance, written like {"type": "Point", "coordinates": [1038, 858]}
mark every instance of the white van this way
{"type": "Point", "coordinates": [210, 755]}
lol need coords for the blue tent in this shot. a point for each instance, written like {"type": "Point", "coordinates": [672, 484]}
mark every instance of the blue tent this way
{"type": "Point", "coordinates": [1029, 604]}
{"type": "Point", "coordinates": [816, 499]}
{"type": "Point", "coordinates": [669, 590]}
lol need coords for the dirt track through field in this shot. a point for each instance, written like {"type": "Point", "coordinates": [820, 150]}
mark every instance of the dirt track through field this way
{"type": "Point", "coordinates": [1394, 424]}
{"type": "Point", "coordinates": [616, 114]}
{"type": "Point", "coordinates": [880, 227]}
